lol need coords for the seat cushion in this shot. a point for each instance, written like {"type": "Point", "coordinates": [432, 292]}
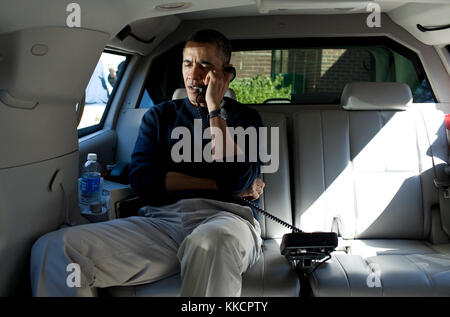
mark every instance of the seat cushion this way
{"type": "Point", "coordinates": [374, 247]}
{"type": "Point", "coordinates": [270, 276]}
{"type": "Point", "coordinates": [442, 248]}
{"type": "Point", "coordinates": [384, 268]}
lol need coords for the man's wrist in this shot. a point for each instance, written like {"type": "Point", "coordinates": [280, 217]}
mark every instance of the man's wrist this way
{"type": "Point", "coordinates": [219, 113]}
{"type": "Point", "coordinates": [215, 106]}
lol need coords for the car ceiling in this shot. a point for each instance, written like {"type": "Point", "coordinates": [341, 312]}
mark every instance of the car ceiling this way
{"type": "Point", "coordinates": [149, 18]}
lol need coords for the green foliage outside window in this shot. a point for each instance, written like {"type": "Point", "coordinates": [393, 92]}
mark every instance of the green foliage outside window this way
{"type": "Point", "coordinates": [259, 89]}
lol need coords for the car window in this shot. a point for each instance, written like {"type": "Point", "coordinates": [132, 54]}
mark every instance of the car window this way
{"type": "Point", "coordinates": [163, 77]}
{"type": "Point", "coordinates": [146, 100]}
{"type": "Point", "coordinates": [100, 89]}
{"type": "Point", "coordinates": [318, 75]}
{"type": "Point", "coordinates": [299, 71]}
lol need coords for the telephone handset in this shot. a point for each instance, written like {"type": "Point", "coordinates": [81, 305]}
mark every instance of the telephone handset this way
{"type": "Point", "coordinates": [202, 90]}
{"type": "Point", "coordinates": [232, 70]}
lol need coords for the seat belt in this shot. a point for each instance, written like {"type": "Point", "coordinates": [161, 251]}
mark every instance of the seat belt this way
{"type": "Point", "coordinates": [442, 185]}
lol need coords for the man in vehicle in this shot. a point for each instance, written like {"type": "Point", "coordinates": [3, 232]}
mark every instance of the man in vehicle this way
{"type": "Point", "coordinates": [193, 224]}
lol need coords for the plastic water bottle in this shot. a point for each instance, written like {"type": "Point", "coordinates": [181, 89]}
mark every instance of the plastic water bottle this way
{"type": "Point", "coordinates": [91, 181]}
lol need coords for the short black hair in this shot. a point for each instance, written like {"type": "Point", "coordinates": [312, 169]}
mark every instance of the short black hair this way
{"type": "Point", "coordinates": [213, 36]}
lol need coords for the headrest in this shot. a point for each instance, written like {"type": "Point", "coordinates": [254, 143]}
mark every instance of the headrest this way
{"type": "Point", "coordinates": [376, 96]}
{"type": "Point", "coordinates": [181, 93]}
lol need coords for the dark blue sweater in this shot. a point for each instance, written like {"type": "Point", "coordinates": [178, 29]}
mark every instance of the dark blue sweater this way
{"type": "Point", "coordinates": [151, 158]}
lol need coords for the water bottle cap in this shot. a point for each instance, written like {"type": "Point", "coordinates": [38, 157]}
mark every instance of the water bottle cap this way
{"type": "Point", "coordinates": [92, 157]}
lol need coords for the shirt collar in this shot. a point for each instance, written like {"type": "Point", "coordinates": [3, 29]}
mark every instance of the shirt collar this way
{"type": "Point", "coordinates": [192, 109]}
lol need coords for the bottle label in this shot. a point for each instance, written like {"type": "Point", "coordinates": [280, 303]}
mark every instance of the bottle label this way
{"type": "Point", "coordinates": [90, 185]}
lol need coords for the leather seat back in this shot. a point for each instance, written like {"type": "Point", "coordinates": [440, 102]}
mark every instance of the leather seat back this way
{"type": "Point", "coordinates": [276, 198]}
{"type": "Point", "coordinates": [363, 173]}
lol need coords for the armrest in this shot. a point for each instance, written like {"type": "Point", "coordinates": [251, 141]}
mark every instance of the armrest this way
{"type": "Point", "coordinates": [129, 207]}
{"type": "Point", "coordinates": [118, 173]}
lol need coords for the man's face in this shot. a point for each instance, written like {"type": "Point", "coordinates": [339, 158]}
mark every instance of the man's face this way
{"type": "Point", "coordinates": [198, 60]}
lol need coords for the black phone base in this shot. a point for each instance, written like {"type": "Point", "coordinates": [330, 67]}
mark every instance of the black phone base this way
{"type": "Point", "coordinates": [303, 250]}
{"type": "Point", "coordinates": [306, 251]}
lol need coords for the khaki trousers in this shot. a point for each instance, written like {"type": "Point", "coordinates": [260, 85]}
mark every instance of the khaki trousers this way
{"type": "Point", "coordinates": [211, 243]}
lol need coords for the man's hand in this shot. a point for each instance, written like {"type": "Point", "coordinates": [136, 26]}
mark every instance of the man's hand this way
{"type": "Point", "coordinates": [218, 83]}
{"type": "Point", "coordinates": [254, 191]}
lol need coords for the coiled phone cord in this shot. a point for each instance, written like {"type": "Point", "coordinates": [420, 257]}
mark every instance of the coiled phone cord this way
{"type": "Point", "coordinates": [268, 215]}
